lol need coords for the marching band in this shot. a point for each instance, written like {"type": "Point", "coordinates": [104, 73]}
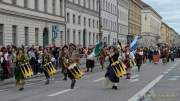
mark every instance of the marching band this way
{"type": "Point", "coordinates": [28, 63]}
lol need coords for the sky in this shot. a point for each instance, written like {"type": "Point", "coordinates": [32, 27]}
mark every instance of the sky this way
{"type": "Point", "coordinates": [169, 10]}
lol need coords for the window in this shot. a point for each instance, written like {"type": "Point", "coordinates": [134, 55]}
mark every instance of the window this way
{"type": "Point", "coordinates": [97, 38]}
{"type": "Point", "coordinates": [79, 20]}
{"type": "Point", "coordinates": [26, 3]}
{"type": "Point", "coordinates": [79, 37]}
{"type": "Point", "coordinates": [74, 19]}
{"type": "Point", "coordinates": [89, 1]}
{"type": "Point", "coordinates": [61, 7]}
{"type": "Point", "coordinates": [14, 34]}
{"type": "Point", "coordinates": [1, 33]}
{"type": "Point", "coordinates": [68, 20]}
{"type": "Point", "coordinates": [97, 24]}
{"type": "Point", "coordinates": [74, 36]}
{"type": "Point", "coordinates": [68, 35]}
{"type": "Point", "coordinates": [93, 4]}
{"type": "Point", "coordinates": [45, 5]}
{"type": "Point", "coordinates": [36, 4]}
{"type": "Point", "coordinates": [14, 2]}
{"type": "Point", "coordinates": [89, 38]}
{"type": "Point", "coordinates": [36, 36]}
{"type": "Point", "coordinates": [93, 24]}
{"type": "Point", "coordinates": [84, 21]}
{"type": "Point", "coordinates": [54, 6]}
{"type": "Point", "coordinates": [97, 4]}
{"type": "Point", "coordinates": [89, 22]}
{"type": "Point", "coordinates": [84, 3]}
{"type": "Point", "coordinates": [79, 2]}
{"type": "Point", "coordinates": [26, 32]}
{"type": "Point", "coordinates": [93, 38]}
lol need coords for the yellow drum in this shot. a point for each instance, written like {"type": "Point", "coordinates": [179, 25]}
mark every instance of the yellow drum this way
{"type": "Point", "coordinates": [119, 68]}
{"type": "Point", "coordinates": [50, 69]}
{"type": "Point", "coordinates": [26, 70]}
{"type": "Point", "coordinates": [75, 71]}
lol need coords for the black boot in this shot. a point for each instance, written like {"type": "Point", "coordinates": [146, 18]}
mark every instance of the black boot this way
{"type": "Point", "coordinates": [47, 82]}
{"type": "Point", "coordinates": [65, 76]}
{"type": "Point", "coordinates": [21, 89]}
{"type": "Point", "coordinates": [73, 83]}
{"type": "Point", "coordinates": [138, 68]}
{"type": "Point", "coordinates": [114, 87]}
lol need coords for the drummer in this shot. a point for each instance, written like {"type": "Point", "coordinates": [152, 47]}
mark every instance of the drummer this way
{"type": "Point", "coordinates": [21, 58]}
{"type": "Point", "coordinates": [113, 55]}
{"type": "Point", "coordinates": [68, 57]}
{"type": "Point", "coordinates": [46, 58]}
{"type": "Point", "coordinates": [74, 58]}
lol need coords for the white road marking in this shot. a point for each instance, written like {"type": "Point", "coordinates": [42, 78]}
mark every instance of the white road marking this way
{"type": "Point", "coordinates": [61, 92]}
{"type": "Point", "coordinates": [165, 72]}
{"type": "Point", "coordinates": [100, 79]}
{"type": "Point", "coordinates": [172, 67]}
{"type": "Point", "coordinates": [175, 64]}
{"type": "Point", "coordinates": [135, 76]}
{"type": "Point", "coordinates": [3, 90]}
{"type": "Point", "coordinates": [134, 80]}
{"type": "Point", "coordinates": [169, 70]}
{"type": "Point", "coordinates": [173, 79]}
{"type": "Point", "coordinates": [142, 92]}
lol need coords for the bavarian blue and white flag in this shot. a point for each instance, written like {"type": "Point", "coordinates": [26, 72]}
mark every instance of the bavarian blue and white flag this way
{"type": "Point", "coordinates": [134, 45]}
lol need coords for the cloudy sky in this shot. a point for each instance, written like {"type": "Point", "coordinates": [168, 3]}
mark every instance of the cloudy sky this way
{"type": "Point", "coordinates": [169, 10]}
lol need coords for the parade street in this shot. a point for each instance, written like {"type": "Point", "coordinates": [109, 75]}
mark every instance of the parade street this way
{"type": "Point", "coordinates": [155, 82]}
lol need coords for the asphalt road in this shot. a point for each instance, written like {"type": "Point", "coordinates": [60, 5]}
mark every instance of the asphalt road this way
{"type": "Point", "coordinates": [91, 87]}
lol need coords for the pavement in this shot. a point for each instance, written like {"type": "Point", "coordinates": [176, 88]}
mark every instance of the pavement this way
{"type": "Point", "coordinates": [151, 80]}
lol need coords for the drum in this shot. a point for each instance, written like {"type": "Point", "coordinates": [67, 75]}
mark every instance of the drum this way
{"type": "Point", "coordinates": [119, 68]}
{"type": "Point", "coordinates": [50, 69]}
{"type": "Point", "coordinates": [26, 70]}
{"type": "Point", "coordinates": [75, 71]}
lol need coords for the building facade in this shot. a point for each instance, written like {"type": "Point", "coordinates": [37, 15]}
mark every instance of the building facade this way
{"type": "Point", "coordinates": [134, 19]}
{"type": "Point", "coordinates": [151, 26]}
{"type": "Point", "coordinates": [123, 6]}
{"type": "Point", "coordinates": [82, 18]}
{"type": "Point", "coordinates": [32, 22]}
{"type": "Point", "coordinates": [108, 18]}
{"type": "Point", "coordinates": [165, 33]}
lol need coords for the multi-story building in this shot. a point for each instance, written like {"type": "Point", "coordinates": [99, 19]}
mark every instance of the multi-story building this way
{"type": "Point", "coordinates": [165, 33]}
{"type": "Point", "coordinates": [32, 22]}
{"type": "Point", "coordinates": [109, 21]}
{"type": "Point", "coordinates": [123, 6]}
{"type": "Point", "coordinates": [134, 18]}
{"type": "Point", "coordinates": [151, 26]}
{"type": "Point", "coordinates": [82, 17]}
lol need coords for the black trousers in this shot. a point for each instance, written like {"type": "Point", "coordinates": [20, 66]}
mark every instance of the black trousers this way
{"type": "Point", "coordinates": [46, 74]}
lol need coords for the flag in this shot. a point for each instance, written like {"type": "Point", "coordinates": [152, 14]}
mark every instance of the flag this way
{"type": "Point", "coordinates": [96, 50]}
{"type": "Point", "coordinates": [134, 44]}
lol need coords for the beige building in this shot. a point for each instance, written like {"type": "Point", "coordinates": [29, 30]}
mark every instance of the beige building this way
{"type": "Point", "coordinates": [165, 36]}
{"type": "Point", "coordinates": [151, 26]}
{"type": "Point", "coordinates": [134, 18]}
